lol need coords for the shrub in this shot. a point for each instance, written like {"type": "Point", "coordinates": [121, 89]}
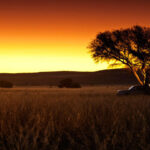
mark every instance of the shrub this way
{"type": "Point", "coordinates": [6, 84]}
{"type": "Point", "coordinates": [68, 83]}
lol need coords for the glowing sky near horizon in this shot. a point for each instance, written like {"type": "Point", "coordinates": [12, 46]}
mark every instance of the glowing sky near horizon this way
{"type": "Point", "coordinates": [46, 35]}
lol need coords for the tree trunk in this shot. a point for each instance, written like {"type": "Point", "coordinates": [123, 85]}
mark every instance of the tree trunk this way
{"type": "Point", "coordinates": [137, 76]}
{"type": "Point", "coordinates": [147, 78]}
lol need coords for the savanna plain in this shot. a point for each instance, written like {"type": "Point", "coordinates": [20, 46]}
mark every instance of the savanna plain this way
{"type": "Point", "coordinates": [88, 118]}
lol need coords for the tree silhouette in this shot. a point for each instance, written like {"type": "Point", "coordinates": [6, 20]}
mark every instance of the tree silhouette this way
{"type": "Point", "coordinates": [130, 47]}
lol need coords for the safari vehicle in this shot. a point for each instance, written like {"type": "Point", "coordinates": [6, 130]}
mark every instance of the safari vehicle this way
{"type": "Point", "coordinates": [134, 90]}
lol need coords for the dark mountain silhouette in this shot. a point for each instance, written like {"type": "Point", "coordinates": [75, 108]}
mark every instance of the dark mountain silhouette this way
{"type": "Point", "coordinates": [105, 77]}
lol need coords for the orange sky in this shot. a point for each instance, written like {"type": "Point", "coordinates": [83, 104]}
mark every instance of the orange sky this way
{"type": "Point", "coordinates": [45, 35]}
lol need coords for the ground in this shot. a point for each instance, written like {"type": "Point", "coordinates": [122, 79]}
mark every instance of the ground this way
{"type": "Point", "coordinates": [94, 118]}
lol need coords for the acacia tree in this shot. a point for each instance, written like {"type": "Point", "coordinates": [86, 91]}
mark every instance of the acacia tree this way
{"type": "Point", "coordinates": [131, 47]}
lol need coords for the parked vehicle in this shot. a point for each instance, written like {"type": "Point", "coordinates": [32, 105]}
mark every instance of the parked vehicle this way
{"type": "Point", "coordinates": [134, 90]}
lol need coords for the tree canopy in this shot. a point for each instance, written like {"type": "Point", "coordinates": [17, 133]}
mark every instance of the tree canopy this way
{"type": "Point", "coordinates": [130, 47]}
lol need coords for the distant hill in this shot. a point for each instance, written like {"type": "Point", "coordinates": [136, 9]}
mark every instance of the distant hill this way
{"type": "Point", "coordinates": [105, 77]}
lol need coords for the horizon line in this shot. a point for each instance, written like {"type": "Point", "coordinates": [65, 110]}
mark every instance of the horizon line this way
{"type": "Point", "coordinates": [60, 71]}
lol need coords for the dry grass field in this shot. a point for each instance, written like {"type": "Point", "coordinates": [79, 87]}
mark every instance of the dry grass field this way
{"type": "Point", "coordinates": [90, 118]}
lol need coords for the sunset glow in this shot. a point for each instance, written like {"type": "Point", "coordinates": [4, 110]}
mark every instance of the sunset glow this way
{"type": "Point", "coordinates": [47, 35]}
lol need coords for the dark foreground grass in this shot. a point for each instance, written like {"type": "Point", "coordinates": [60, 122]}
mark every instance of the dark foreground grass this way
{"type": "Point", "coordinates": [83, 119]}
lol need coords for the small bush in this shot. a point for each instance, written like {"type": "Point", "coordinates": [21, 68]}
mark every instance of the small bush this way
{"type": "Point", "coordinates": [6, 84]}
{"type": "Point", "coordinates": [68, 83]}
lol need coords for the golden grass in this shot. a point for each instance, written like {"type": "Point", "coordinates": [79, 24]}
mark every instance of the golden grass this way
{"type": "Point", "coordinates": [90, 118]}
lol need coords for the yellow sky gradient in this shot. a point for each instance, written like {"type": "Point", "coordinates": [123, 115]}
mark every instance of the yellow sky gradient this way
{"type": "Point", "coordinates": [35, 57]}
